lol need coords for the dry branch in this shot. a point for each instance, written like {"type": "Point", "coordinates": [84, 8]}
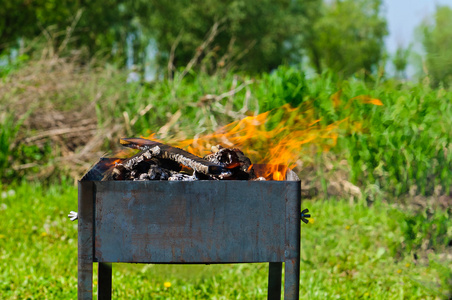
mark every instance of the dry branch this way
{"type": "Point", "coordinates": [171, 57]}
{"type": "Point", "coordinates": [200, 50]}
{"type": "Point", "coordinates": [60, 131]}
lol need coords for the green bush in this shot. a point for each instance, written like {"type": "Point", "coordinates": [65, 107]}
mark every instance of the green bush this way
{"type": "Point", "coordinates": [403, 144]}
{"type": "Point", "coordinates": [396, 148]}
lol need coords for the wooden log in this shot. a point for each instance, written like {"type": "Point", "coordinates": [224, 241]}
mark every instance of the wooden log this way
{"type": "Point", "coordinates": [156, 149]}
{"type": "Point", "coordinates": [234, 160]}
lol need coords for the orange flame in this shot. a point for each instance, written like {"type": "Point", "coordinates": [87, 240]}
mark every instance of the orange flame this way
{"type": "Point", "coordinates": [278, 176]}
{"type": "Point", "coordinates": [368, 100]}
{"type": "Point", "coordinates": [275, 138]}
{"type": "Point", "coordinates": [119, 156]}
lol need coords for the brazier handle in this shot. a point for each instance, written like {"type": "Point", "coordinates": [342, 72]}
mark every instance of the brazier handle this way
{"type": "Point", "coordinates": [304, 215]}
{"type": "Point", "coordinates": [73, 215]}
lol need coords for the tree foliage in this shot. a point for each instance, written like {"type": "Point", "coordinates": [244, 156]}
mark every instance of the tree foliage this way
{"type": "Point", "coordinates": [95, 25]}
{"type": "Point", "coordinates": [400, 60]}
{"type": "Point", "coordinates": [437, 42]}
{"type": "Point", "coordinates": [253, 35]}
{"type": "Point", "coordinates": [266, 31]}
{"type": "Point", "coordinates": [16, 19]}
{"type": "Point", "coordinates": [249, 35]}
{"type": "Point", "coordinates": [348, 36]}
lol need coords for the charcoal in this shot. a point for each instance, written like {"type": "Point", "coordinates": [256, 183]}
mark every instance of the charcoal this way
{"type": "Point", "coordinates": [132, 162]}
{"type": "Point", "coordinates": [245, 163]}
{"type": "Point", "coordinates": [233, 160]}
{"type": "Point", "coordinates": [181, 177]}
{"type": "Point", "coordinates": [119, 172]}
{"type": "Point", "coordinates": [116, 172]}
{"type": "Point", "coordinates": [143, 176]}
{"type": "Point", "coordinates": [201, 176]}
{"type": "Point", "coordinates": [225, 157]}
{"type": "Point", "coordinates": [158, 173]}
{"type": "Point", "coordinates": [134, 174]}
{"type": "Point", "coordinates": [142, 167]}
{"type": "Point", "coordinates": [147, 171]}
{"type": "Point", "coordinates": [168, 164]}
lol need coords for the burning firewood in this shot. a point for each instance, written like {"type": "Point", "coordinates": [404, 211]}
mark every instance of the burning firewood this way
{"type": "Point", "coordinates": [142, 166]}
{"type": "Point", "coordinates": [234, 160]}
{"type": "Point", "coordinates": [157, 161]}
{"type": "Point", "coordinates": [185, 158]}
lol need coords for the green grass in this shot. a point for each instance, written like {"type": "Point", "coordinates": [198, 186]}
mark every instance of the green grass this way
{"type": "Point", "coordinates": [350, 251]}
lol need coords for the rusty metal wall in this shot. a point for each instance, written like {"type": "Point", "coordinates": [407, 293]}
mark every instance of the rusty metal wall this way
{"type": "Point", "coordinates": [191, 222]}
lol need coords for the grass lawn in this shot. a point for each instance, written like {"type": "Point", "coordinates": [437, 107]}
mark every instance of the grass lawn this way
{"type": "Point", "coordinates": [349, 251]}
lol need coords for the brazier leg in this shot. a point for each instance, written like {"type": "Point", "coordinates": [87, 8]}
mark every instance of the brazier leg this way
{"type": "Point", "coordinates": [274, 281]}
{"type": "Point", "coordinates": [291, 279]}
{"type": "Point", "coordinates": [85, 280]}
{"type": "Point", "coordinates": [85, 241]}
{"type": "Point", "coordinates": [292, 244]}
{"type": "Point", "coordinates": [104, 282]}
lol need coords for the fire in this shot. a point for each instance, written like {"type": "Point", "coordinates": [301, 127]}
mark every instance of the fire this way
{"type": "Point", "coordinates": [116, 161]}
{"type": "Point", "coordinates": [275, 140]}
{"type": "Point", "coordinates": [119, 157]}
{"type": "Point", "coordinates": [278, 176]}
